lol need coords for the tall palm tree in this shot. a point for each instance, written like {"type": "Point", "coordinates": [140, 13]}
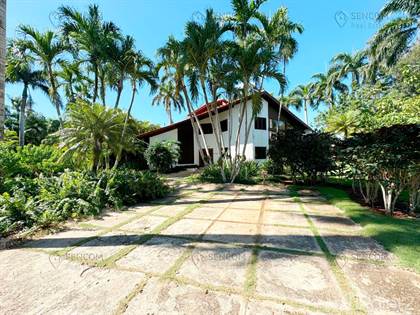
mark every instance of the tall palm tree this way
{"type": "Point", "coordinates": [170, 98]}
{"type": "Point", "coordinates": [396, 36]}
{"type": "Point", "coordinates": [46, 48]}
{"type": "Point", "coordinates": [202, 44]}
{"type": "Point", "coordinates": [241, 20]}
{"type": "Point", "coordinates": [303, 96]}
{"type": "Point", "coordinates": [89, 34]}
{"type": "Point", "coordinates": [175, 69]}
{"type": "Point", "coordinates": [350, 64]}
{"type": "Point", "coordinates": [120, 54]}
{"type": "Point", "coordinates": [19, 69]}
{"type": "Point", "coordinates": [278, 32]}
{"type": "Point", "coordinates": [326, 86]}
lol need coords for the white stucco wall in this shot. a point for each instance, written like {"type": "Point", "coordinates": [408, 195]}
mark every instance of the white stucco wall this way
{"type": "Point", "coordinates": [256, 137]}
{"type": "Point", "coordinates": [169, 135]}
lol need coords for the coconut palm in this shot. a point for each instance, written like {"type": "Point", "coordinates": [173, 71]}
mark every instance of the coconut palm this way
{"type": "Point", "coordinates": [395, 37]}
{"type": "Point", "coordinates": [170, 98]}
{"type": "Point", "coordinates": [90, 35]}
{"type": "Point", "coordinates": [350, 64]}
{"type": "Point", "coordinates": [344, 123]}
{"type": "Point", "coordinates": [46, 48]}
{"type": "Point", "coordinates": [303, 96]}
{"type": "Point", "coordinates": [19, 69]}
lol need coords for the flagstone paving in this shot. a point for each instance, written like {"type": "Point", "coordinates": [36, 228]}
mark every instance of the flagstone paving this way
{"type": "Point", "coordinates": [209, 249]}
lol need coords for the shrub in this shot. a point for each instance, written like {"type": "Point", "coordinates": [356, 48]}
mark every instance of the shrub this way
{"type": "Point", "coordinates": [162, 156]}
{"type": "Point", "coordinates": [309, 156]}
{"type": "Point", "coordinates": [16, 212]}
{"type": "Point", "coordinates": [128, 186]}
{"type": "Point", "coordinates": [248, 172]}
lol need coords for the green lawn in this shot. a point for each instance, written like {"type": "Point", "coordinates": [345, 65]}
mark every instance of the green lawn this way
{"type": "Point", "coordinates": [399, 236]}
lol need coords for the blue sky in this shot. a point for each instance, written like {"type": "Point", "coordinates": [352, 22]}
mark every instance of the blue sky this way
{"type": "Point", "coordinates": [330, 27]}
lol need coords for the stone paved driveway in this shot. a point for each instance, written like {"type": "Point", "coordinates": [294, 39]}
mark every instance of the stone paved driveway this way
{"type": "Point", "coordinates": [209, 250]}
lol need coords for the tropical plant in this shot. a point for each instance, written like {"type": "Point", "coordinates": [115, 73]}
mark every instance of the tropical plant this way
{"type": "Point", "coordinates": [162, 156]}
{"type": "Point", "coordinates": [94, 132]}
{"type": "Point", "coordinates": [88, 35]}
{"type": "Point", "coordinates": [46, 49]}
{"type": "Point", "coordinates": [395, 37]}
{"type": "Point", "coordinates": [350, 64]}
{"type": "Point", "coordinates": [303, 97]}
{"type": "Point", "coordinates": [19, 69]}
{"type": "Point", "coordinates": [170, 98]}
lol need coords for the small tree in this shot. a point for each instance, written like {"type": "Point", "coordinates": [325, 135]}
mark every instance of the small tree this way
{"type": "Point", "coordinates": [162, 156]}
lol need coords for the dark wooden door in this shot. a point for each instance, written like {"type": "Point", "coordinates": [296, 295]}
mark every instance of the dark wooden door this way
{"type": "Point", "coordinates": [185, 137]}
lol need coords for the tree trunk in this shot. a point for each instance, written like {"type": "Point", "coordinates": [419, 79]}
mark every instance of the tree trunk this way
{"type": "Point", "coordinates": [305, 107]}
{"type": "Point", "coordinates": [119, 91]}
{"type": "Point", "coordinates": [95, 85]}
{"type": "Point", "coordinates": [54, 96]}
{"type": "Point", "coordinates": [169, 113]}
{"type": "Point", "coordinates": [2, 64]}
{"type": "Point", "coordinates": [22, 116]}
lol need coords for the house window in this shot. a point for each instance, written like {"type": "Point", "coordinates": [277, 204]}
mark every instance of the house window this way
{"type": "Point", "coordinates": [207, 128]}
{"type": "Point", "coordinates": [224, 125]}
{"type": "Point", "coordinates": [260, 153]}
{"type": "Point", "coordinates": [260, 123]}
{"type": "Point", "coordinates": [274, 123]}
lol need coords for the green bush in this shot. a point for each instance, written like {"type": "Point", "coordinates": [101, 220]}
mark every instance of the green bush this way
{"type": "Point", "coordinates": [248, 172]}
{"type": "Point", "coordinates": [162, 156]}
{"type": "Point", "coordinates": [128, 186]}
{"type": "Point", "coordinates": [45, 200]}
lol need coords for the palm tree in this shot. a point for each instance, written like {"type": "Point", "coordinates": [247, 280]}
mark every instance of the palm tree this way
{"type": "Point", "coordinates": [395, 37]}
{"type": "Point", "coordinates": [202, 44]}
{"type": "Point", "coordinates": [170, 98]}
{"type": "Point", "coordinates": [90, 34]}
{"type": "Point", "coordinates": [46, 48]}
{"type": "Point", "coordinates": [94, 131]}
{"type": "Point", "coordinates": [327, 85]}
{"type": "Point", "coordinates": [278, 33]}
{"type": "Point", "coordinates": [19, 69]}
{"type": "Point", "coordinates": [120, 54]}
{"type": "Point", "coordinates": [72, 80]}
{"type": "Point", "coordinates": [303, 96]}
{"type": "Point", "coordinates": [244, 12]}
{"type": "Point", "coordinates": [345, 123]}
{"type": "Point", "coordinates": [350, 64]}
{"type": "Point", "coordinates": [174, 66]}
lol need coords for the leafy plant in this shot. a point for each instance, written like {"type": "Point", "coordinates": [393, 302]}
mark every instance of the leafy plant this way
{"type": "Point", "coordinates": [162, 156]}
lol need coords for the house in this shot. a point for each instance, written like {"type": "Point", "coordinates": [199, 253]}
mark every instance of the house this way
{"type": "Point", "coordinates": [261, 129]}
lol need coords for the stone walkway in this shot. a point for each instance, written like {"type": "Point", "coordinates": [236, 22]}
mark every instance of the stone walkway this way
{"type": "Point", "coordinates": [209, 250]}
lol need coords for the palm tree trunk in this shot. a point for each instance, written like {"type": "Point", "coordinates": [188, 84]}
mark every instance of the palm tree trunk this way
{"type": "Point", "coordinates": [169, 113]}
{"type": "Point", "coordinates": [127, 117]}
{"type": "Point", "coordinates": [22, 116]}
{"type": "Point", "coordinates": [2, 63]}
{"type": "Point", "coordinates": [96, 83]}
{"type": "Point", "coordinates": [119, 91]}
{"type": "Point", "coordinates": [305, 107]}
{"type": "Point", "coordinates": [54, 95]}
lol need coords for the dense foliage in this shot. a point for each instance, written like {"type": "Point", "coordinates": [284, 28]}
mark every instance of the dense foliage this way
{"type": "Point", "coordinates": [162, 156]}
{"type": "Point", "coordinates": [248, 173]}
{"type": "Point", "coordinates": [38, 188]}
{"type": "Point", "coordinates": [389, 159]}
{"type": "Point", "coordinates": [308, 156]}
